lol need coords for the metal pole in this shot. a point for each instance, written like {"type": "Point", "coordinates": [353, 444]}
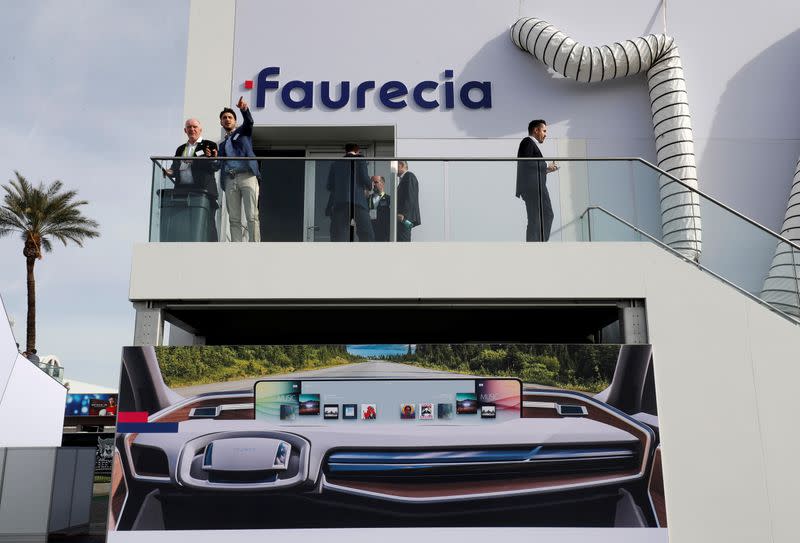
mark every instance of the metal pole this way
{"type": "Point", "coordinates": [539, 205]}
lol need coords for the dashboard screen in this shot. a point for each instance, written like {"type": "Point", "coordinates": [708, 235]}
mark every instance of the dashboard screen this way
{"type": "Point", "coordinates": [388, 401]}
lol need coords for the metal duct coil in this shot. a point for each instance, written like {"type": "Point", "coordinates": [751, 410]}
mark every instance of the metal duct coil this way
{"type": "Point", "coordinates": [658, 56]}
{"type": "Point", "coordinates": [782, 285]}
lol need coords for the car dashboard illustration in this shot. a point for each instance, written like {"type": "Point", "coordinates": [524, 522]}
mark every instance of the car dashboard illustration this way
{"type": "Point", "coordinates": [460, 451]}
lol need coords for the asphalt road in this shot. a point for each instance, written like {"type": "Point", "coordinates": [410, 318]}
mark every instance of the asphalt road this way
{"type": "Point", "coordinates": [362, 370]}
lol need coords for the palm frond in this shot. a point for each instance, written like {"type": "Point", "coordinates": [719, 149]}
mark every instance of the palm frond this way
{"type": "Point", "coordinates": [45, 213]}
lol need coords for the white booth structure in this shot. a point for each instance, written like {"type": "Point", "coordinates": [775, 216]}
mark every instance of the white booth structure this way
{"type": "Point", "coordinates": [44, 487]}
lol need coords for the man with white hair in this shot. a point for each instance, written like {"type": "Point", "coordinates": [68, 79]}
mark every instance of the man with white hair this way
{"type": "Point", "coordinates": [197, 175]}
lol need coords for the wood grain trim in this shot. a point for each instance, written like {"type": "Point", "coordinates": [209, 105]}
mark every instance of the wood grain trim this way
{"type": "Point", "coordinates": [237, 414]}
{"type": "Point", "coordinates": [119, 491]}
{"type": "Point", "coordinates": [416, 490]}
{"type": "Point", "coordinates": [593, 412]}
{"type": "Point", "coordinates": [181, 414]}
{"type": "Point", "coordinates": [473, 487]}
{"type": "Point", "coordinates": [540, 413]}
{"type": "Point", "coordinates": [656, 489]}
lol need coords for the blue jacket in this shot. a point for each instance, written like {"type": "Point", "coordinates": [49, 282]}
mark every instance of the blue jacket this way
{"type": "Point", "coordinates": [242, 141]}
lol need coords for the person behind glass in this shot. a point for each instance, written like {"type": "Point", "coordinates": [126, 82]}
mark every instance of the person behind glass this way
{"type": "Point", "coordinates": [407, 202]}
{"type": "Point", "coordinates": [379, 205]}
{"type": "Point", "coordinates": [349, 183]}
{"type": "Point", "coordinates": [32, 356]}
{"type": "Point", "coordinates": [240, 179]}
{"type": "Point", "coordinates": [197, 175]}
{"type": "Point", "coordinates": [531, 183]}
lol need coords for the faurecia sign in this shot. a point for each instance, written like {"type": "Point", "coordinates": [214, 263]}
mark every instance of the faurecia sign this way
{"type": "Point", "coordinates": [298, 94]}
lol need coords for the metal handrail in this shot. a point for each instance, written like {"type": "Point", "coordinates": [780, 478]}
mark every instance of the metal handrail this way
{"type": "Point", "coordinates": [514, 159]}
{"type": "Point", "coordinates": [692, 261]}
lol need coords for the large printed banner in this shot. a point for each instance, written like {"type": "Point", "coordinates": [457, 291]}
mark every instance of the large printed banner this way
{"type": "Point", "coordinates": [335, 436]}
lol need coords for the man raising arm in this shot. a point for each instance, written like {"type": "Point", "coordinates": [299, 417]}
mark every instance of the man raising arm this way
{"type": "Point", "coordinates": [240, 179]}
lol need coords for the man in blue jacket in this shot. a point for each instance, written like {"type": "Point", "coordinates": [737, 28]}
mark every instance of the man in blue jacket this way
{"type": "Point", "coordinates": [240, 179]}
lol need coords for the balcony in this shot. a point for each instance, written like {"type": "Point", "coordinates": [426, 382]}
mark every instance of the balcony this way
{"type": "Point", "coordinates": [472, 200]}
{"type": "Point", "coordinates": [53, 370]}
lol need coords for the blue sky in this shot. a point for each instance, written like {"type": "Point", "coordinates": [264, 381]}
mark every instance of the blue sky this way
{"type": "Point", "coordinates": [90, 90]}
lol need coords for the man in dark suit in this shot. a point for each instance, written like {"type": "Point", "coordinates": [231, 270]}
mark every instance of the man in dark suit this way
{"type": "Point", "coordinates": [380, 208]}
{"type": "Point", "coordinates": [349, 183]}
{"type": "Point", "coordinates": [407, 202]}
{"type": "Point", "coordinates": [531, 183]}
{"type": "Point", "coordinates": [197, 175]}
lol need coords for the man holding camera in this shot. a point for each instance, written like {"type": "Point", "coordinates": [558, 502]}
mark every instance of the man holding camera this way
{"type": "Point", "coordinates": [240, 178]}
{"type": "Point", "coordinates": [197, 175]}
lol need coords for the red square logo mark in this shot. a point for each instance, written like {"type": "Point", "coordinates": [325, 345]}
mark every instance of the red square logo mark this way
{"type": "Point", "coordinates": [248, 84]}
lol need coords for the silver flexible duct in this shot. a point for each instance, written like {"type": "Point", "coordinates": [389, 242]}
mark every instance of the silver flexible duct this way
{"type": "Point", "coordinates": [658, 56]}
{"type": "Point", "coordinates": [782, 285]}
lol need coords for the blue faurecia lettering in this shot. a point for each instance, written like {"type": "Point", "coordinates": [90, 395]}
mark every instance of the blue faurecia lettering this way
{"type": "Point", "coordinates": [306, 102]}
{"type": "Point", "coordinates": [325, 95]}
{"type": "Point", "coordinates": [420, 100]}
{"type": "Point", "coordinates": [448, 90]}
{"type": "Point", "coordinates": [486, 95]}
{"type": "Point", "coordinates": [391, 90]}
{"type": "Point", "coordinates": [361, 93]}
{"type": "Point", "coordinates": [263, 84]}
{"type": "Point", "coordinates": [300, 94]}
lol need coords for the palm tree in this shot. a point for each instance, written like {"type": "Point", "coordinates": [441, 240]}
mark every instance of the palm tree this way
{"type": "Point", "coordinates": [41, 214]}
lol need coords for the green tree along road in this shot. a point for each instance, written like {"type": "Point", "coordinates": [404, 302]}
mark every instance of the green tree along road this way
{"type": "Point", "coordinates": [581, 367]}
{"type": "Point", "coordinates": [40, 215]}
{"type": "Point", "coordinates": [186, 366]}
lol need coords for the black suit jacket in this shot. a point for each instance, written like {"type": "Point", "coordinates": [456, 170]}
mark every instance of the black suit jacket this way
{"type": "Point", "coordinates": [530, 172]}
{"type": "Point", "coordinates": [348, 177]}
{"type": "Point", "coordinates": [408, 198]}
{"type": "Point", "coordinates": [202, 170]}
{"type": "Point", "coordinates": [383, 211]}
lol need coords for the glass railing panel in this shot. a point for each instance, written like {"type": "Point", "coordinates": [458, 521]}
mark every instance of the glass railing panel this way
{"type": "Point", "coordinates": [621, 186]}
{"type": "Point", "coordinates": [295, 204]}
{"type": "Point", "coordinates": [354, 200]}
{"type": "Point", "coordinates": [780, 290]}
{"type": "Point", "coordinates": [601, 226]}
{"type": "Point", "coordinates": [629, 190]}
{"type": "Point", "coordinates": [280, 202]}
{"type": "Point", "coordinates": [433, 185]}
{"type": "Point", "coordinates": [480, 202]}
{"type": "Point", "coordinates": [183, 209]}
{"type": "Point", "coordinates": [735, 248]}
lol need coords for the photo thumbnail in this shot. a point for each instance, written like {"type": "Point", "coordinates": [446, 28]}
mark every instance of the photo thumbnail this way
{"type": "Point", "coordinates": [466, 403]}
{"type": "Point", "coordinates": [407, 411]}
{"type": "Point", "coordinates": [349, 411]}
{"type": "Point", "coordinates": [444, 411]}
{"type": "Point", "coordinates": [331, 411]}
{"type": "Point", "coordinates": [426, 411]}
{"type": "Point", "coordinates": [309, 404]}
{"type": "Point", "coordinates": [369, 411]}
{"type": "Point", "coordinates": [288, 411]}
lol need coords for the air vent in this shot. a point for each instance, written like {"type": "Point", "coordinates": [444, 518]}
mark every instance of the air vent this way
{"type": "Point", "coordinates": [149, 461]}
{"type": "Point", "coordinates": [370, 464]}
